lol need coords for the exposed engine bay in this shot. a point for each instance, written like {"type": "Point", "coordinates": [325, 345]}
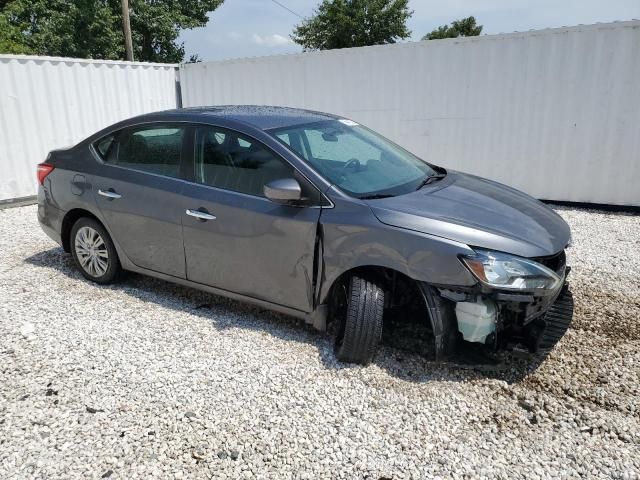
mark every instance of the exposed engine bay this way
{"type": "Point", "coordinates": [497, 320]}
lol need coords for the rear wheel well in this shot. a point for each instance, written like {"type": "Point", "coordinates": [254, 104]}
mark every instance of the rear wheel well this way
{"type": "Point", "coordinates": [69, 219]}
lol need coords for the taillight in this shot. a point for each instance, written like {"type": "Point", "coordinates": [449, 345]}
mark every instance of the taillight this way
{"type": "Point", "coordinates": [44, 169]}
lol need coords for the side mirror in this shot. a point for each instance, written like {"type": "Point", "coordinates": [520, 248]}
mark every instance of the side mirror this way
{"type": "Point", "coordinates": [284, 190]}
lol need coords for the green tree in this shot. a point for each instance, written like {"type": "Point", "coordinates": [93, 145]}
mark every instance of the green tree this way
{"type": "Point", "coordinates": [156, 24]}
{"type": "Point", "coordinates": [80, 28]}
{"type": "Point", "coordinates": [93, 28]}
{"type": "Point", "coordinates": [465, 27]}
{"type": "Point", "coordinates": [353, 23]}
{"type": "Point", "coordinates": [11, 37]}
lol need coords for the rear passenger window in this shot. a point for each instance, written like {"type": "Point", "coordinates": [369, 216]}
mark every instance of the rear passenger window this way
{"type": "Point", "coordinates": [154, 149]}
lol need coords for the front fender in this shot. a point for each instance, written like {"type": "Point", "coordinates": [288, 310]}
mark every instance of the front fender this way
{"type": "Point", "coordinates": [354, 238]}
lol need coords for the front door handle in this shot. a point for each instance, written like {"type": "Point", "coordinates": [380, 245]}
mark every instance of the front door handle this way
{"type": "Point", "coordinates": [109, 194]}
{"type": "Point", "coordinates": [201, 215]}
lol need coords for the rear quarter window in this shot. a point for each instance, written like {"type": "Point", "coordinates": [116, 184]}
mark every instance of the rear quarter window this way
{"type": "Point", "coordinates": [104, 146]}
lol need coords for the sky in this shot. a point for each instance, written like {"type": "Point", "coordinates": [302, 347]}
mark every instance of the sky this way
{"type": "Point", "coordinates": [251, 28]}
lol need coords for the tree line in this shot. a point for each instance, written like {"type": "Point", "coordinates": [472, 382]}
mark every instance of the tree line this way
{"type": "Point", "coordinates": [358, 23]}
{"type": "Point", "coordinates": [93, 28]}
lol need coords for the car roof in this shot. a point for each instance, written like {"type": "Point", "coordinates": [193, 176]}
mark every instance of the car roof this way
{"type": "Point", "coordinates": [260, 116]}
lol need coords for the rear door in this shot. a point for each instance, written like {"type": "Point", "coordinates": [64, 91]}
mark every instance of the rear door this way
{"type": "Point", "coordinates": [138, 192]}
{"type": "Point", "coordinates": [247, 244]}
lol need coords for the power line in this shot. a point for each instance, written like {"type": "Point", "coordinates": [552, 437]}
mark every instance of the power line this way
{"type": "Point", "coordinates": [286, 8]}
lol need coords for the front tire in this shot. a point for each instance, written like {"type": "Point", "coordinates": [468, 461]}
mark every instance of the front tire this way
{"type": "Point", "coordinates": [359, 311]}
{"type": "Point", "coordinates": [93, 251]}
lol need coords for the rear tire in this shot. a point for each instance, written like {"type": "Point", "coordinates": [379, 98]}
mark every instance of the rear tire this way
{"type": "Point", "coordinates": [359, 315]}
{"type": "Point", "coordinates": [93, 251]}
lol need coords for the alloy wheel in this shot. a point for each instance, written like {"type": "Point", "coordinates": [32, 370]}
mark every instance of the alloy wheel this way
{"type": "Point", "coordinates": [91, 251]}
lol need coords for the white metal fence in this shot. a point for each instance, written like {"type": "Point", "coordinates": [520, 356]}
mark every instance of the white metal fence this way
{"type": "Point", "coordinates": [554, 112]}
{"type": "Point", "coordinates": [48, 103]}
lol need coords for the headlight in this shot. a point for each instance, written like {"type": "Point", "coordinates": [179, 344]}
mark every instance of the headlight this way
{"type": "Point", "coordinates": [501, 270]}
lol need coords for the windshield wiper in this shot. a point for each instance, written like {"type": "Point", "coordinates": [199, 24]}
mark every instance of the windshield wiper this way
{"type": "Point", "coordinates": [376, 196]}
{"type": "Point", "coordinates": [431, 178]}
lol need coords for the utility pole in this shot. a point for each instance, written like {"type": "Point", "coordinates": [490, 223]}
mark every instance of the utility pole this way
{"type": "Point", "coordinates": [126, 27]}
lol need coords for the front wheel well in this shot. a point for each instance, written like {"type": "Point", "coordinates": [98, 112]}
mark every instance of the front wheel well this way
{"type": "Point", "coordinates": [70, 218]}
{"type": "Point", "coordinates": [412, 308]}
{"type": "Point", "coordinates": [401, 291]}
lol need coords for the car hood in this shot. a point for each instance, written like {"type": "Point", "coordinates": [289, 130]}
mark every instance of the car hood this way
{"type": "Point", "coordinates": [477, 212]}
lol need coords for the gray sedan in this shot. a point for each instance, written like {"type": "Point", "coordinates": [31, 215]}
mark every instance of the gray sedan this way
{"type": "Point", "coordinates": [315, 216]}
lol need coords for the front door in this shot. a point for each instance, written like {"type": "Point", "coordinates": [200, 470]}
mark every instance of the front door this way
{"type": "Point", "coordinates": [138, 191]}
{"type": "Point", "coordinates": [245, 243]}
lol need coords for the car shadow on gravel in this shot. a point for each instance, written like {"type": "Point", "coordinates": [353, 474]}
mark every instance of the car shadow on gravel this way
{"type": "Point", "coordinates": [406, 354]}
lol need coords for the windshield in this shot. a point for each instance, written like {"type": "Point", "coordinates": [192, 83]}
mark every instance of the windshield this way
{"type": "Point", "coordinates": [357, 160]}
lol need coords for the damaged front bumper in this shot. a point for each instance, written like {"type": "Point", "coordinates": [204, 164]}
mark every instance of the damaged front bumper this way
{"type": "Point", "coordinates": [500, 320]}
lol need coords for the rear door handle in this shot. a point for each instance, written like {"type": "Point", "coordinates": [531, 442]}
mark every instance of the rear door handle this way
{"type": "Point", "coordinates": [201, 215]}
{"type": "Point", "coordinates": [109, 194]}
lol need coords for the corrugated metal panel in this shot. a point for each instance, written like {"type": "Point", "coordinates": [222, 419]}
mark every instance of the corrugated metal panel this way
{"type": "Point", "coordinates": [48, 103]}
{"type": "Point", "coordinates": [553, 112]}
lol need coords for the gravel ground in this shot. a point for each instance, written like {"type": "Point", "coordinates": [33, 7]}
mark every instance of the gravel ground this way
{"type": "Point", "coordinates": [148, 379]}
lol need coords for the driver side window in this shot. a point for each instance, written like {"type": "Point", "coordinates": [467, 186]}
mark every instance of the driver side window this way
{"type": "Point", "coordinates": [231, 161]}
{"type": "Point", "coordinates": [228, 160]}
